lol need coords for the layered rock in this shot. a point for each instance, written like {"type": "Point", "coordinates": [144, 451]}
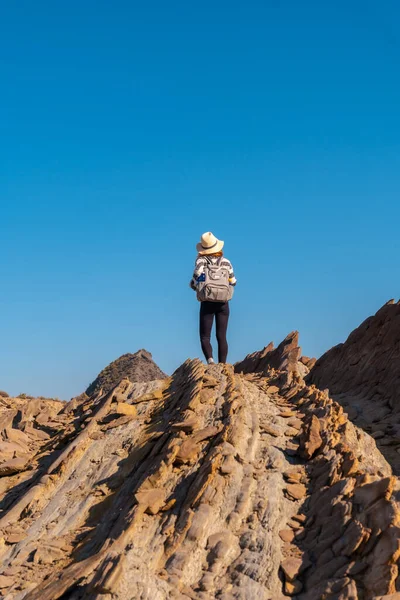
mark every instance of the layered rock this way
{"type": "Point", "coordinates": [26, 425]}
{"type": "Point", "coordinates": [363, 374]}
{"type": "Point", "coordinates": [286, 358]}
{"type": "Point", "coordinates": [33, 429]}
{"type": "Point", "coordinates": [209, 484]}
{"type": "Point", "coordinates": [135, 367]}
{"type": "Point", "coordinates": [352, 534]}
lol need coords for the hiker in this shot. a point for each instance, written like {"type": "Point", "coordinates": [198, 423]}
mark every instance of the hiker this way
{"type": "Point", "coordinates": [213, 280]}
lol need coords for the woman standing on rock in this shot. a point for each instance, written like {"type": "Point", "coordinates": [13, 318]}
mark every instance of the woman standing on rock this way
{"type": "Point", "coordinates": [213, 280]}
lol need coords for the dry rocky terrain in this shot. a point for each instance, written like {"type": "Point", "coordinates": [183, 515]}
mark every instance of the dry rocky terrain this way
{"type": "Point", "coordinates": [363, 375]}
{"type": "Point", "coordinates": [135, 367]}
{"type": "Point", "coordinates": [250, 482]}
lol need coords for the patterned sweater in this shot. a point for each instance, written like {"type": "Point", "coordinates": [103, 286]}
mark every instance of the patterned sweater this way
{"type": "Point", "coordinates": [199, 266]}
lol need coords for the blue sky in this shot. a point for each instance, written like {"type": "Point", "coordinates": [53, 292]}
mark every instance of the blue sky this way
{"type": "Point", "coordinates": [130, 128]}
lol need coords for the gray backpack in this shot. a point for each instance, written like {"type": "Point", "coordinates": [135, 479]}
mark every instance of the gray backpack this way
{"type": "Point", "coordinates": [215, 287]}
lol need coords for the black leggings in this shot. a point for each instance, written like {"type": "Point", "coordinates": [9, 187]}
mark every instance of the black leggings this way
{"type": "Point", "coordinates": [207, 312]}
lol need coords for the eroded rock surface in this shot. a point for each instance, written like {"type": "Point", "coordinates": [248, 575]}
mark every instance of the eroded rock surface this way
{"type": "Point", "coordinates": [211, 484]}
{"type": "Point", "coordinates": [135, 367]}
{"type": "Point", "coordinates": [363, 374]}
{"type": "Point", "coordinates": [284, 358]}
{"type": "Point", "coordinates": [26, 426]}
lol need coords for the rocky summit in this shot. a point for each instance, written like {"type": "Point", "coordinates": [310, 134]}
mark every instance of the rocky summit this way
{"type": "Point", "coordinates": [260, 481]}
{"type": "Point", "coordinates": [135, 367]}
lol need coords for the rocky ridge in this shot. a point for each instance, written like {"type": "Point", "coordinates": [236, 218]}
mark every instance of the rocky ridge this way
{"type": "Point", "coordinates": [363, 375]}
{"type": "Point", "coordinates": [245, 483]}
{"type": "Point", "coordinates": [135, 367]}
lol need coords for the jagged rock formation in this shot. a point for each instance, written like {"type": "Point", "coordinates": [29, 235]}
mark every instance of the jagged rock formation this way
{"type": "Point", "coordinates": [25, 426]}
{"type": "Point", "coordinates": [32, 428]}
{"type": "Point", "coordinates": [284, 358]}
{"type": "Point", "coordinates": [135, 367]}
{"type": "Point", "coordinates": [363, 374]}
{"type": "Point", "coordinates": [209, 484]}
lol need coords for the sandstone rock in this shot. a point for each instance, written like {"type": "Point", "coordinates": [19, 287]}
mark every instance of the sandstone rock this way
{"type": "Point", "coordinates": [287, 535]}
{"type": "Point", "coordinates": [287, 413]}
{"type": "Point", "coordinates": [115, 422]}
{"type": "Point", "coordinates": [5, 581]}
{"type": "Point", "coordinates": [11, 571]}
{"type": "Point", "coordinates": [134, 367]}
{"type": "Point", "coordinates": [300, 518]}
{"type": "Point", "coordinates": [15, 538]}
{"type": "Point", "coordinates": [272, 389]}
{"type": "Point", "coordinates": [207, 395]}
{"type": "Point", "coordinates": [308, 362]}
{"type": "Point", "coordinates": [37, 434]}
{"type": "Point", "coordinates": [293, 587]}
{"type": "Point", "coordinates": [350, 540]}
{"type": "Point", "coordinates": [292, 476]}
{"type": "Point", "coordinates": [210, 381]}
{"type": "Point", "coordinates": [15, 435]}
{"type": "Point", "coordinates": [370, 492]}
{"type": "Point", "coordinates": [284, 358]}
{"type": "Point", "coordinates": [295, 422]}
{"type": "Point", "coordinates": [189, 425]}
{"type": "Point", "coordinates": [188, 499]}
{"type": "Point", "coordinates": [294, 524]}
{"type": "Point", "coordinates": [292, 567]}
{"type": "Point", "coordinates": [151, 500]}
{"type": "Point", "coordinates": [269, 430]}
{"type": "Point", "coordinates": [229, 465]}
{"type": "Point", "coordinates": [123, 408]}
{"type": "Point", "coordinates": [14, 465]}
{"type": "Point", "coordinates": [310, 439]}
{"type": "Point", "coordinates": [291, 432]}
{"type": "Point", "coordinates": [362, 373]}
{"type": "Point", "coordinates": [47, 555]}
{"type": "Point", "coordinates": [296, 491]}
{"type": "Point", "coordinates": [291, 449]}
{"type": "Point", "coordinates": [205, 433]}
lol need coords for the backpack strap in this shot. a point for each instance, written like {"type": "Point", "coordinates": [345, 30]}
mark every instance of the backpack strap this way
{"type": "Point", "coordinates": [209, 260]}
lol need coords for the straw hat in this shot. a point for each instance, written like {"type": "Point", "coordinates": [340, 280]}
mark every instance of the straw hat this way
{"type": "Point", "coordinates": [209, 244]}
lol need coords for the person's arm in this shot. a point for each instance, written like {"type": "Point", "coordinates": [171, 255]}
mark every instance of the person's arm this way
{"type": "Point", "coordinates": [232, 278]}
{"type": "Point", "coordinates": [198, 274]}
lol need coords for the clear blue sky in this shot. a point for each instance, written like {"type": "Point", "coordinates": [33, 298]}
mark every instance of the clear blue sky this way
{"type": "Point", "coordinates": [129, 128]}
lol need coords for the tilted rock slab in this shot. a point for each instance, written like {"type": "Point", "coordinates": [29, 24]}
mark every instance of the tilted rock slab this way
{"type": "Point", "coordinates": [363, 374]}
{"type": "Point", "coordinates": [215, 485]}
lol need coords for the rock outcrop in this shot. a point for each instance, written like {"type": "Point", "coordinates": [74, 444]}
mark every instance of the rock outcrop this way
{"type": "Point", "coordinates": [135, 367]}
{"type": "Point", "coordinates": [26, 425]}
{"type": "Point", "coordinates": [33, 429]}
{"type": "Point", "coordinates": [284, 358]}
{"type": "Point", "coordinates": [363, 375]}
{"type": "Point", "coordinates": [214, 483]}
